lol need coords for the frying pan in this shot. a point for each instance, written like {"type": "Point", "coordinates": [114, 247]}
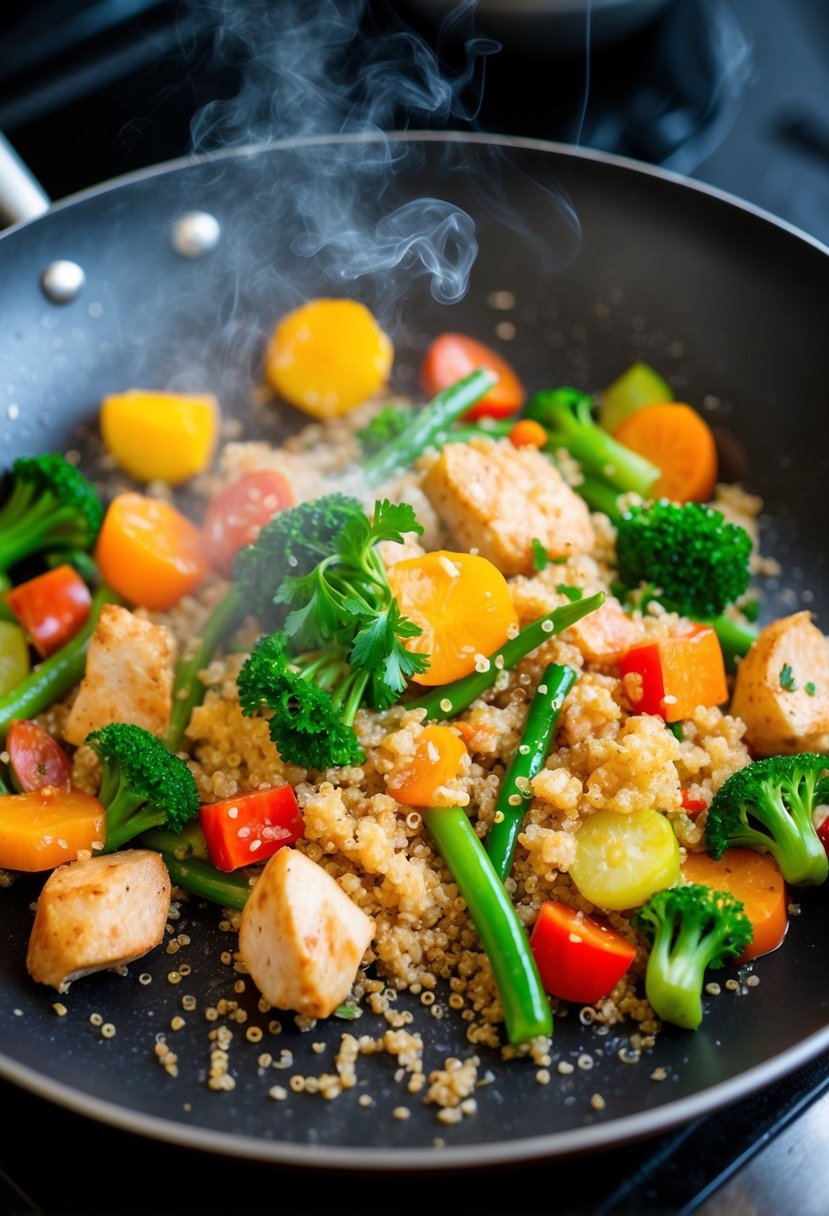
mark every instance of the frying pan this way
{"type": "Point", "coordinates": [605, 261]}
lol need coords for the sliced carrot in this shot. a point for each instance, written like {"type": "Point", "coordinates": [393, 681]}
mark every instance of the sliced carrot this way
{"type": "Point", "coordinates": [527, 433]}
{"type": "Point", "coordinates": [42, 829]}
{"type": "Point", "coordinates": [462, 604]}
{"type": "Point", "coordinates": [149, 552]}
{"type": "Point", "coordinates": [165, 436]}
{"type": "Point", "coordinates": [451, 356]}
{"type": "Point", "coordinates": [672, 676]}
{"type": "Point", "coordinates": [328, 356]}
{"type": "Point", "coordinates": [678, 441]}
{"type": "Point", "coordinates": [755, 879]}
{"type": "Point", "coordinates": [437, 759]}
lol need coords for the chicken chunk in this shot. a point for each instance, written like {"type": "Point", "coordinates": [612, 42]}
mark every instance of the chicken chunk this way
{"type": "Point", "coordinates": [128, 677]}
{"type": "Point", "coordinates": [782, 688]}
{"type": "Point", "coordinates": [96, 914]}
{"type": "Point", "coordinates": [496, 498]}
{"type": "Point", "coordinates": [301, 938]}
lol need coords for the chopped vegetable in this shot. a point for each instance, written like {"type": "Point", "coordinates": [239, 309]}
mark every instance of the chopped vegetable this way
{"type": "Point", "coordinates": [449, 699]}
{"type": "Point", "coordinates": [36, 759]}
{"type": "Point", "coordinates": [51, 607]}
{"type": "Point", "coordinates": [462, 608]}
{"type": "Point", "coordinates": [451, 356]}
{"type": "Point", "coordinates": [769, 806]}
{"type": "Point", "coordinates": [149, 552]}
{"type": "Point", "coordinates": [527, 433]}
{"type": "Point", "coordinates": [639, 385]}
{"type": "Point", "coordinates": [622, 859]}
{"type": "Point", "coordinates": [437, 760]}
{"type": "Point", "coordinates": [15, 664]}
{"type": "Point", "coordinates": [56, 676]}
{"type": "Point", "coordinates": [672, 676]}
{"type": "Point", "coordinates": [194, 873]}
{"type": "Point", "coordinates": [753, 878]}
{"type": "Point", "coordinates": [50, 507]}
{"type": "Point", "coordinates": [679, 441]}
{"type": "Point", "coordinates": [385, 426]}
{"type": "Point", "coordinates": [143, 785]}
{"type": "Point", "coordinates": [536, 740]}
{"type": "Point", "coordinates": [690, 928]}
{"type": "Point", "coordinates": [251, 827]}
{"type": "Point", "coordinates": [41, 829]}
{"type": "Point", "coordinates": [428, 427]}
{"type": "Point", "coordinates": [787, 680]}
{"type": "Point", "coordinates": [328, 356]}
{"type": "Point", "coordinates": [567, 416]}
{"type": "Point", "coordinates": [98, 913]}
{"type": "Point", "coordinates": [156, 436]}
{"type": "Point", "coordinates": [526, 1008]}
{"type": "Point", "coordinates": [580, 959]}
{"type": "Point", "coordinates": [237, 513]}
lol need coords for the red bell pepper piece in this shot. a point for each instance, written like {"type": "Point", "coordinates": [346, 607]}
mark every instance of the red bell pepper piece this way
{"type": "Point", "coordinates": [35, 758]}
{"type": "Point", "coordinates": [692, 806]}
{"type": "Point", "coordinates": [51, 607]}
{"type": "Point", "coordinates": [250, 828]}
{"type": "Point", "coordinates": [579, 958]}
{"type": "Point", "coordinates": [676, 674]}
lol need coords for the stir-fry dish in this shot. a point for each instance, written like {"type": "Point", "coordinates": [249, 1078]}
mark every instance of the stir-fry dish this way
{"type": "Point", "coordinates": [461, 694]}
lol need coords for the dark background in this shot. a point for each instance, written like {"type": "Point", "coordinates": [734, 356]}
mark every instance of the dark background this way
{"type": "Point", "coordinates": [732, 92]}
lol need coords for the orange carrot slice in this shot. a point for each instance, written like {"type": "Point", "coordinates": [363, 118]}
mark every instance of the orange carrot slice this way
{"type": "Point", "coordinates": [755, 879]}
{"type": "Point", "coordinates": [678, 441]}
{"type": "Point", "coordinates": [463, 606]}
{"type": "Point", "coordinates": [437, 759]}
{"type": "Point", "coordinates": [149, 552]}
{"type": "Point", "coordinates": [44, 828]}
{"type": "Point", "coordinates": [328, 356]}
{"type": "Point", "coordinates": [527, 433]}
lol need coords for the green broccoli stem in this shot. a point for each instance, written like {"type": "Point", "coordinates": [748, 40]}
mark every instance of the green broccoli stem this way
{"type": "Point", "coordinates": [188, 689]}
{"type": "Point", "coordinates": [446, 700]}
{"type": "Point", "coordinates": [735, 637]}
{"type": "Point", "coordinates": [599, 496]}
{"type": "Point", "coordinates": [674, 978]}
{"type": "Point", "coordinates": [788, 835]}
{"type": "Point", "coordinates": [533, 749]}
{"type": "Point", "coordinates": [26, 526]}
{"type": "Point", "coordinates": [127, 816]}
{"type": "Point", "coordinates": [57, 675]}
{"type": "Point", "coordinates": [427, 426]}
{"type": "Point", "coordinates": [526, 1007]}
{"type": "Point", "coordinates": [567, 416]}
{"type": "Point", "coordinates": [330, 671]}
{"type": "Point", "coordinates": [492, 428]}
{"type": "Point", "coordinates": [193, 874]}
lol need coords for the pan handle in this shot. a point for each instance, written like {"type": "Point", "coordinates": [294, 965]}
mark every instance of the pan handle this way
{"type": "Point", "coordinates": [21, 195]}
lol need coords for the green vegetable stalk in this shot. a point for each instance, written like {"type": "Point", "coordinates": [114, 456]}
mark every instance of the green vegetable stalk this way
{"type": "Point", "coordinates": [193, 874]}
{"type": "Point", "coordinates": [427, 426]}
{"type": "Point", "coordinates": [188, 690]}
{"type": "Point", "coordinates": [527, 762]}
{"type": "Point", "coordinates": [57, 675]}
{"type": "Point", "coordinates": [526, 1008]}
{"type": "Point", "coordinates": [447, 700]}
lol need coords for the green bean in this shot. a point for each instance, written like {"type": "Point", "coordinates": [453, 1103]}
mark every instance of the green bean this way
{"type": "Point", "coordinates": [526, 763]}
{"type": "Point", "coordinates": [526, 1007]}
{"type": "Point", "coordinates": [446, 700]}
{"type": "Point", "coordinates": [194, 874]}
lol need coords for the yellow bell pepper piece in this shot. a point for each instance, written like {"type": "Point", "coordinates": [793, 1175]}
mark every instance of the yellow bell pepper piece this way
{"type": "Point", "coordinates": [153, 436]}
{"type": "Point", "coordinates": [328, 356]}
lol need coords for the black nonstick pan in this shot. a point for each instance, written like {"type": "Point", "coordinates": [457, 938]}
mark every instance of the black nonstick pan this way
{"type": "Point", "coordinates": [600, 261]}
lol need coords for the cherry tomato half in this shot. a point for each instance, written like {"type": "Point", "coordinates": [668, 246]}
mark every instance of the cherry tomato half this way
{"type": "Point", "coordinates": [236, 515]}
{"type": "Point", "coordinates": [35, 758]}
{"type": "Point", "coordinates": [452, 356]}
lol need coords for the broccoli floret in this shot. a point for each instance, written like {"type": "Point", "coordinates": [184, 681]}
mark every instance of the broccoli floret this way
{"type": "Point", "coordinates": [51, 507]}
{"type": "Point", "coordinates": [312, 700]}
{"type": "Point", "coordinates": [697, 559]}
{"type": "Point", "coordinates": [384, 428]}
{"type": "Point", "coordinates": [609, 467]}
{"type": "Point", "coordinates": [690, 928]}
{"type": "Point", "coordinates": [143, 785]}
{"type": "Point", "coordinates": [768, 806]}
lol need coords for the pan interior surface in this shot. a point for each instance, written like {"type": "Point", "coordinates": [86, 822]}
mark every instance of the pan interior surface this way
{"type": "Point", "coordinates": [599, 262]}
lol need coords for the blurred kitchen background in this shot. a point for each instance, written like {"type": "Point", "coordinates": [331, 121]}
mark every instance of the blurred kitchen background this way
{"type": "Point", "coordinates": [733, 92]}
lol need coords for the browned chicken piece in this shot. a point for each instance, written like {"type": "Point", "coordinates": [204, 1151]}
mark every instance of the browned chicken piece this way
{"type": "Point", "coordinates": [96, 914]}
{"type": "Point", "coordinates": [128, 677]}
{"type": "Point", "coordinates": [782, 688]}
{"type": "Point", "coordinates": [496, 498]}
{"type": "Point", "coordinates": [301, 938]}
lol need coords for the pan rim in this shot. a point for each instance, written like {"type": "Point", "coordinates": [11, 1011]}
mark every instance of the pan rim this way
{"type": "Point", "coordinates": [571, 1142]}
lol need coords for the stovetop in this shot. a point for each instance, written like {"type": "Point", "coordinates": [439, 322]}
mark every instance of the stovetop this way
{"type": "Point", "coordinates": [731, 92]}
